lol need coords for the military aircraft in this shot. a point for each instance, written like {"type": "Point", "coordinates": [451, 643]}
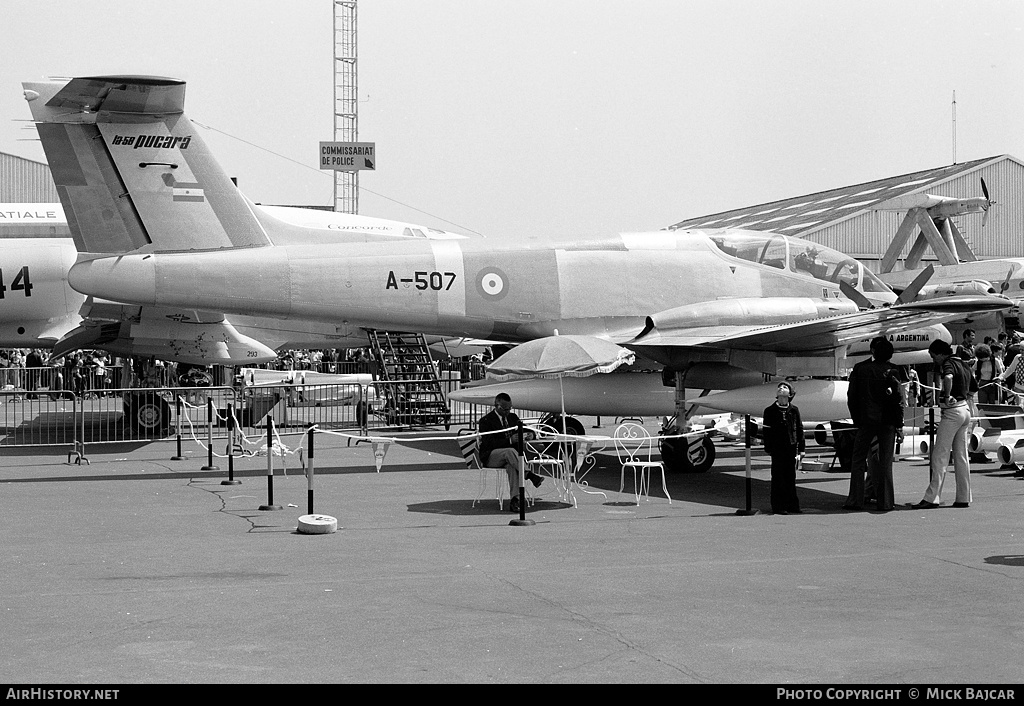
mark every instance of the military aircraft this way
{"type": "Point", "coordinates": [40, 310]}
{"type": "Point", "coordinates": [167, 228]}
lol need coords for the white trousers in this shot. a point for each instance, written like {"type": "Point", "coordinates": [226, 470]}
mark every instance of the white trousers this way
{"type": "Point", "coordinates": [951, 435]}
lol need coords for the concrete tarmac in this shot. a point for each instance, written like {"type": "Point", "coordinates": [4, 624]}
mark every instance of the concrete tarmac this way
{"type": "Point", "coordinates": [137, 569]}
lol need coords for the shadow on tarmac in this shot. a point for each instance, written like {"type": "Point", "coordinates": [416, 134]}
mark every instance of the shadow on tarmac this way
{"type": "Point", "coordinates": [487, 506]}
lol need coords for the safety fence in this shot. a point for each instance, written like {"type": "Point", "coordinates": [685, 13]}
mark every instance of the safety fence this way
{"type": "Point", "coordinates": [87, 416]}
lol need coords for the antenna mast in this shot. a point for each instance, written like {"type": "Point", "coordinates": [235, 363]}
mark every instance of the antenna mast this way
{"type": "Point", "coordinates": [346, 101]}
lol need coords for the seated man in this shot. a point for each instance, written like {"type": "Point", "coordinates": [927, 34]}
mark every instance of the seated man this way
{"type": "Point", "coordinates": [499, 449]}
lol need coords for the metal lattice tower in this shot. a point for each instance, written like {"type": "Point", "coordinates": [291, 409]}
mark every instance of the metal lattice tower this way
{"type": "Point", "coordinates": [346, 100]}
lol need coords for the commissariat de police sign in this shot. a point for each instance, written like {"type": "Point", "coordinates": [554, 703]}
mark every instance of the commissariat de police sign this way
{"type": "Point", "coordinates": [348, 156]}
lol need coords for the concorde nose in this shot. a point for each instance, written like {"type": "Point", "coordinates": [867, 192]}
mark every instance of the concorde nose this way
{"type": "Point", "coordinates": [127, 278]}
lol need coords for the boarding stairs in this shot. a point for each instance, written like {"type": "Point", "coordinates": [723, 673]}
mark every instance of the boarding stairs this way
{"type": "Point", "coordinates": [411, 394]}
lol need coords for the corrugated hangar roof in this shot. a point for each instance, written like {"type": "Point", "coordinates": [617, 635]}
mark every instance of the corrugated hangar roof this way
{"type": "Point", "coordinates": [804, 214]}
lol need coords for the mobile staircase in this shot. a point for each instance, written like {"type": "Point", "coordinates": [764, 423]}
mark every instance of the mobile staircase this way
{"type": "Point", "coordinates": [411, 395]}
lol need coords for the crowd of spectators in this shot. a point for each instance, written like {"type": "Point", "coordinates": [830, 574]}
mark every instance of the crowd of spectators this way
{"type": "Point", "coordinates": [94, 371]}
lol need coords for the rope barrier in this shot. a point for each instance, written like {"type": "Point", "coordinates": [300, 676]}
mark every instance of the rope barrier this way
{"type": "Point", "coordinates": [279, 448]}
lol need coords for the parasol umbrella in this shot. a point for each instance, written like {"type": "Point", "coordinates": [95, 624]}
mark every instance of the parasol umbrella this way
{"type": "Point", "coordinates": [559, 357]}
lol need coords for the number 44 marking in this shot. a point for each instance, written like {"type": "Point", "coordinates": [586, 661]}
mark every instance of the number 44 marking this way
{"type": "Point", "coordinates": [21, 282]}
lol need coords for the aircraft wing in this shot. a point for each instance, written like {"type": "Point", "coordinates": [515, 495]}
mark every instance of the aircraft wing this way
{"type": "Point", "coordinates": [822, 334]}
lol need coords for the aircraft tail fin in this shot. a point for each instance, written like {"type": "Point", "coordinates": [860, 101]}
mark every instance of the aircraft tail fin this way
{"type": "Point", "coordinates": [130, 170]}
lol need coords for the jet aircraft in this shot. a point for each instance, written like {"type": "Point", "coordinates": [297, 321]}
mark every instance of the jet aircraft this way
{"type": "Point", "coordinates": [41, 310]}
{"type": "Point", "coordinates": [167, 228]}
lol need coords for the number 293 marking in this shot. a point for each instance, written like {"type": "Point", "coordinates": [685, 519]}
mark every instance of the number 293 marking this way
{"type": "Point", "coordinates": [438, 281]}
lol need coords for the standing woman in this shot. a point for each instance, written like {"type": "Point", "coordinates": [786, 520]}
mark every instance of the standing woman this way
{"type": "Point", "coordinates": [784, 442]}
{"type": "Point", "coordinates": [988, 371]}
{"type": "Point", "coordinates": [951, 434]}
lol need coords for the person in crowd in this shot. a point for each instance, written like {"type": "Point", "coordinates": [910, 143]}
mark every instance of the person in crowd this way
{"type": "Point", "coordinates": [966, 352]}
{"type": "Point", "coordinates": [34, 364]}
{"type": "Point", "coordinates": [1012, 377]}
{"type": "Point", "coordinates": [951, 434]}
{"type": "Point", "coordinates": [987, 371]}
{"type": "Point", "coordinates": [784, 442]}
{"type": "Point", "coordinates": [875, 400]}
{"type": "Point", "coordinates": [499, 445]}
{"type": "Point", "coordinates": [17, 368]}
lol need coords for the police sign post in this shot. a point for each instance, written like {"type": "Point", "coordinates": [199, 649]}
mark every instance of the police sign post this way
{"type": "Point", "coordinates": [348, 156]}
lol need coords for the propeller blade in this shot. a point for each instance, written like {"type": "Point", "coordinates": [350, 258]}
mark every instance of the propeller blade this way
{"type": "Point", "coordinates": [984, 189]}
{"type": "Point", "coordinates": [1006, 282]}
{"type": "Point", "coordinates": [984, 219]}
{"type": "Point", "coordinates": [854, 295]}
{"type": "Point", "coordinates": [910, 293]}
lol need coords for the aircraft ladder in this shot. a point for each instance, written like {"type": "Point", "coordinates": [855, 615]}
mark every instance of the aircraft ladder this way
{"type": "Point", "coordinates": [412, 395]}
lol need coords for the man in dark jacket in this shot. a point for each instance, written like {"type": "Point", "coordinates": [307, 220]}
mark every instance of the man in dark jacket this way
{"type": "Point", "coordinates": [499, 445]}
{"type": "Point", "coordinates": [875, 399]}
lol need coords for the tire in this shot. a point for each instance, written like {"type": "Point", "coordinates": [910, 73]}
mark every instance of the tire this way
{"type": "Point", "coordinates": [697, 457]}
{"type": "Point", "coordinates": [572, 425]}
{"type": "Point", "coordinates": [148, 414]}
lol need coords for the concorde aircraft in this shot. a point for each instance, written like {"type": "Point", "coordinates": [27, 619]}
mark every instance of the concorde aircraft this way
{"type": "Point", "coordinates": [166, 227]}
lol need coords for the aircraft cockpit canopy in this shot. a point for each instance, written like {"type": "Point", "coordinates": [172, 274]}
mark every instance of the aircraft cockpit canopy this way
{"type": "Point", "coordinates": [799, 256]}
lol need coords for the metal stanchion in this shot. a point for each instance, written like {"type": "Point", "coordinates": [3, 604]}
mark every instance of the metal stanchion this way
{"type": "Point", "coordinates": [310, 523]}
{"type": "Point", "coordinates": [309, 474]}
{"type": "Point", "coordinates": [79, 450]}
{"type": "Point", "coordinates": [270, 467]}
{"type": "Point", "coordinates": [209, 437]}
{"type": "Point", "coordinates": [231, 448]}
{"type": "Point", "coordinates": [177, 426]}
{"type": "Point", "coordinates": [931, 440]}
{"type": "Point", "coordinates": [749, 510]}
{"type": "Point", "coordinates": [522, 521]}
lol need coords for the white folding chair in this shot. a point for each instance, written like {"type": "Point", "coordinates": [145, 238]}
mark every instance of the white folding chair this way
{"type": "Point", "coordinates": [470, 447]}
{"type": "Point", "coordinates": [633, 446]}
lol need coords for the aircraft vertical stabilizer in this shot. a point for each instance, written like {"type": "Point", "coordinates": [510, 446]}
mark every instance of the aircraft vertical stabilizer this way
{"type": "Point", "coordinates": [132, 172]}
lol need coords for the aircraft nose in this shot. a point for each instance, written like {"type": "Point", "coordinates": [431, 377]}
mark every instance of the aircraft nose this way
{"type": "Point", "coordinates": [128, 278]}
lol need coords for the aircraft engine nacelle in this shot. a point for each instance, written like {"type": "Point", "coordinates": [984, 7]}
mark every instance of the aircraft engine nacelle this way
{"type": "Point", "coordinates": [937, 291]}
{"type": "Point", "coordinates": [1011, 452]}
{"type": "Point", "coordinates": [983, 440]}
{"type": "Point", "coordinates": [767, 311]}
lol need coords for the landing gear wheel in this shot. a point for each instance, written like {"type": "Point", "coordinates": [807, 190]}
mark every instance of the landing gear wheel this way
{"type": "Point", "coordinates": [572, 425]}
{"type": "Point", "coordinates": [697, 456]}
{"type": "Point", "coordinates": [148, 414]}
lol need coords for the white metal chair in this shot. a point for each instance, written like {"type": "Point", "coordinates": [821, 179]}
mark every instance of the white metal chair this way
{"type": "Point", "coordinates": [633, 446]}
{"type": "Point", "coordinates": [546, 454]}
{"type": "Point", "coordinates": [470, 447]}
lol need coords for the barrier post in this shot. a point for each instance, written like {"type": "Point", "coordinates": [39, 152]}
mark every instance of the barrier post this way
{"type": "Point", "coordinates": [177, 425]}
{"type": "Point", "coordinates": [79, 450]}
{"type": "Point", "coordinates": [521, 521]}
{"type": "Point", "coordinates": [749, 483]}
{"type": "Point", "coordinates": [270, 466]}
{"type": "Point", "coordinates": [209, 437]}
{"type": "Point", "coordinates": [231, 448]}
{"type": "Point", "coordinates": [931, 439]}
{"type": "Point", "coordinates": [309, 472]}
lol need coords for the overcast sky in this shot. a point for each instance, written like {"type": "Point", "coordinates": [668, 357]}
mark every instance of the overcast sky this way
{"type": "Point", "coordinates": [569, 117]}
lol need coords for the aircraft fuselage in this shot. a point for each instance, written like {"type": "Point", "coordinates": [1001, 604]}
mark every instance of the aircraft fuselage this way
{"type": "Point", "coordinates": [511, 291]}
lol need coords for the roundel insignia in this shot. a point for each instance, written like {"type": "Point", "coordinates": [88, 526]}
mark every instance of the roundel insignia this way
{"type": "Point", "coordinates": [492, 283]}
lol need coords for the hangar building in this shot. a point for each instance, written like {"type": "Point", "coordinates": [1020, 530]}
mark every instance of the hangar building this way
{"type": "Point", "coordinates": [848, 219]}
{"type": "Point", "coordinates": [26, 183]}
